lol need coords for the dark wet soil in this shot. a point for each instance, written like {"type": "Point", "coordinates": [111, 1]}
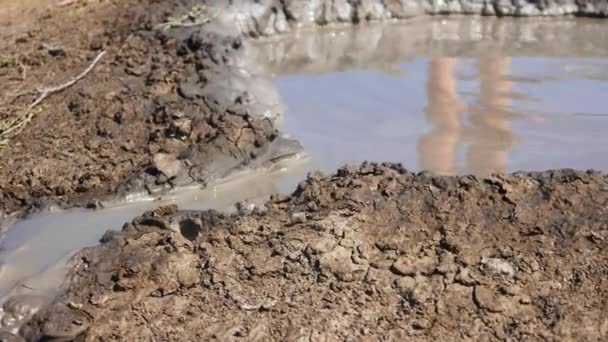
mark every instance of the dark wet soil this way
{"type": "Point", "coordinates": [370, 253]}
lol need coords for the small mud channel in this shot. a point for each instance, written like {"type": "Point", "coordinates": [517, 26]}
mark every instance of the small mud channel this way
{"type": "Point", "coordinates": [34, 252]}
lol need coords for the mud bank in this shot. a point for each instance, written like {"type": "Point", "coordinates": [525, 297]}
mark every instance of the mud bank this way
{"type": "Point", "coordinates": [136, 124]}
{"type": "Point", "coordinates": [172, 103]}
{"type": "Point", "coordinates": [373, 252]}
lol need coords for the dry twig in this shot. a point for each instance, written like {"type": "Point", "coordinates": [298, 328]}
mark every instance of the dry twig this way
{"type": "Point", "coordinates": [187, 20]}
{"type": "Point", "coordinates": [66, 3]}
{"type": "Point", "coordinates": [12, 126]}
{"type": "Point", "coordinates": [165, 26]}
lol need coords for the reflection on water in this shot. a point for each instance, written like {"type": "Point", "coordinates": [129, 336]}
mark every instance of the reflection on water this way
{"type": "Point", "coordinates": [451, 95]}
{"type": "Point", "coordinates": [489, 133]}
{"type": "Point", "coordinates": [492, 96]}
{"type": "Point", "coordinates": [453, 115]}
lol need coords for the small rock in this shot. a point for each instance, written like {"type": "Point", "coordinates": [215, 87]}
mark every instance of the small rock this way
{"type": "Point", "coordinates": [512, 290]}
{"type": "Point", "coordinates": [499, 266]}
{"type": "Point", "coordinates": [265, 306]}
{"type": "Point", "coordinates": [99, 300]}
{"type": "Point", "coordinates": [595, 237]}
{"type": "Point", "coordinates": [525, 300]}
{"type": "Point", "coordinates": [406, 283]}
{"type": "Point", "coordinates": [322, 245]}
{"type": "Point", "coordinates": [421, 324]}
{"type": "Point", "coordinates": [167, 164]}
{"type": "Point", "coordinates": [55, 51]}
{"type": "Point", "coordinates": [409, 266]}
{"type": "Point", "coordinates": [73, 305]}
{"type": "Point", "coordinates": [244, 207]}
{"type": "Point", "coordinates": [339, 262]}
{"type": "Point", "coordinates": [96, 44]}
{"type": "Point", "coordinates": [464, 277]}
{"type": "Point", "coordinates": [190, 90]}
{"type": "Point", "coordinates": [21, 39]}
{"type": "Point", "coordinates": [128, 145]}
{"type": "Point", "coordinates": [183, 126]}
{"type": "Point", "coordinates": [279, 198]}
{"type": "Point", "coordinates": [137, 70]}
{"type": "Point", "coordinates": [485, 298]}
{"type": "Point", "coordinates": [298, 218]}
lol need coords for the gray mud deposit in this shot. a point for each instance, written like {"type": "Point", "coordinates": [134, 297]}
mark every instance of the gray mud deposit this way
{"type": "Point", "coordinates": [369, 253]}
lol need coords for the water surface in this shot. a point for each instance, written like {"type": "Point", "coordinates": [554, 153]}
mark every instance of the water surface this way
{"type": "Point", "coordinates": [514, 105]}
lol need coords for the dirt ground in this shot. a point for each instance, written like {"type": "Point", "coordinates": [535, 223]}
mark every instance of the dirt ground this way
{"type": "Point", "coordinates": [127, 126]}
{"type": "Point", "coordinates": [371, 253]}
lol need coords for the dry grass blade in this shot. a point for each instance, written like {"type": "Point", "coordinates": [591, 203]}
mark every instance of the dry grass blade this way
{"type": "Point", "coordinates": [190, 19]}
{"type": "Point", "coordinates": [12, 126]}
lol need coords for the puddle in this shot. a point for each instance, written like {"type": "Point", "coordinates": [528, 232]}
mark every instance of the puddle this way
{"type": "Point", "coordinates": [488, 107]}
{"type": "Point", "coordinates": [33, 251]}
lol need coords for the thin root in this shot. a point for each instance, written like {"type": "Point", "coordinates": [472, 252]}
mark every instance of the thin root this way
{"type": "Point", "coordinates": [187, 20]}
{"type": "Point", "coordinates": [168, 25]}
{"type": "Point", "coordinates": [13, 126]}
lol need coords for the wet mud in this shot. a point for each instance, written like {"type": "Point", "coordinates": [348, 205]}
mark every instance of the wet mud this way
{"type": "Point", "coordinates": [371, 252]}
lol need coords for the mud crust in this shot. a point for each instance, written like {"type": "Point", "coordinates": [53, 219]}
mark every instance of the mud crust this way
{"type": "Point", "coordinates": [371, 253]}
{"type": "Point", "coordinates": [168, 108]}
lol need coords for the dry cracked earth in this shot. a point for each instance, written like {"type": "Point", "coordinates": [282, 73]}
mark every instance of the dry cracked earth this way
{"type": "Point", "coordinates": [371, 253]}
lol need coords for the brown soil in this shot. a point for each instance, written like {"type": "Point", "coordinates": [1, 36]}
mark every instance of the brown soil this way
{"type": "Point", "coordinates": [124, 127]}
{"type": "Point", "coordinates": [371, 253]}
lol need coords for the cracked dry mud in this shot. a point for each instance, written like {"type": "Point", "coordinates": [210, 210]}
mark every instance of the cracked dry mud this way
{"type": "Point", "coordinates": [371, 253]}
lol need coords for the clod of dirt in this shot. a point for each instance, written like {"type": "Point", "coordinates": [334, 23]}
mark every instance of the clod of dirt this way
{"type": "Point", "coordinates": [167, 164]}
{"type": "Point", "coordinates": [434, 259]}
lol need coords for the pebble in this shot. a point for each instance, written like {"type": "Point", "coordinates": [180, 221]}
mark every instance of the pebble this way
{"type": "Point", "coordinates": [167, 164]}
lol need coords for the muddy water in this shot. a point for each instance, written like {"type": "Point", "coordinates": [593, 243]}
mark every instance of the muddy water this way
{"type": "Point", "coordinates": [34, 251]}
{"type": "Point", "coordinates": [502, 108]}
